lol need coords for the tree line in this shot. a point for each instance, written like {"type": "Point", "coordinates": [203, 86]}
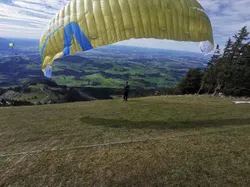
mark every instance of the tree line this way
{"type": "Point", "coordinates": [227, 72]}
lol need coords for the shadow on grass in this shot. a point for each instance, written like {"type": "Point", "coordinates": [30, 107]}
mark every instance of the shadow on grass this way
{"type": "Point", "coordinates": [170, 124]}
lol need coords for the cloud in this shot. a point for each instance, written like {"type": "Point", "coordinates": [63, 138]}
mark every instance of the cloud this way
{"type": "Point", "coordinates": [27, 18]}
{"type": "Point", "coordinates": [227, 16]}
{"type": "Point", "coordinates": [30, 16]}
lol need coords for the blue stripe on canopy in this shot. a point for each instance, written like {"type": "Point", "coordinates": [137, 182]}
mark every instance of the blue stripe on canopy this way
{"type": "Point", "coordinates": [73, 29]}
{"type": "Point", "coordinates": [69, 30]}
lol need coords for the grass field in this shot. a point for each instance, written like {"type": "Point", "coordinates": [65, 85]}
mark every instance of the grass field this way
{"type": "Point", "coordinates": [155, 141]}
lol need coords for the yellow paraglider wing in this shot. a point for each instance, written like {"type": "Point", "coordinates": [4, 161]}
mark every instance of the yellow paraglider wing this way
{"type": "Point", "coordinates": [11, 45]}
{"type": "Point", "coordinates": [85, 24]}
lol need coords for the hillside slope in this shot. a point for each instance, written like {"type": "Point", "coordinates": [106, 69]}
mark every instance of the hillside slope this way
{"type": "Point", "coordinates": [154, 141]}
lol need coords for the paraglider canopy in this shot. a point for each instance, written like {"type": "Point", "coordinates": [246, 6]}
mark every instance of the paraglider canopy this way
{"type": "Point", "coordinates": [98, 23]}
{"type": "Point", "coordinates": [206, 47]}
{"type": "Point", "coordinates": [48, 71]}
{"type": "Point", "coordinates": [11, 45]}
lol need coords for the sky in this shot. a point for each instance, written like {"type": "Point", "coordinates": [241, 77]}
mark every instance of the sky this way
{"type": "Point", "coordinates": [27, 18]}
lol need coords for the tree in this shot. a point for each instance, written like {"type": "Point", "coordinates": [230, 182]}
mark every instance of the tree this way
{"type": "Point", "coordinates": [221, 74]}
{"type": "Point", "coordinates": [237, 69]}
{"type": "Point", "coordinates": [191, 83]}
{"type": "Point", "coordinates": [241, 39]}
{"type": "Point", "coordinates": [209, 78]}
{"type": "Point", "coordinates": [228, 49]}
{"type": "Point", "coordinates": [228, 72]}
